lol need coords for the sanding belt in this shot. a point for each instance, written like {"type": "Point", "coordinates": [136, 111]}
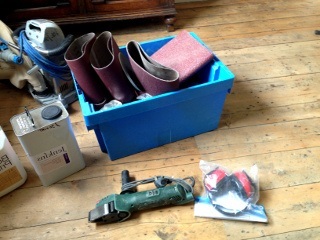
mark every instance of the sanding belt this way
{"type": "Point", "coordinates": [77, 57]}
{"type": "Point", "coordinates": [104, 73]}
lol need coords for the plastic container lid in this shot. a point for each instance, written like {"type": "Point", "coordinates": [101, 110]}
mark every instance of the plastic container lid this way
{"type": "Point", "coordinates": [51, 112]}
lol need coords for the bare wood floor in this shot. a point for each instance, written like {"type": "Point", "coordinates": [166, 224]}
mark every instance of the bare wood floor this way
{"type": "Point", "coordinates": [271, 118]}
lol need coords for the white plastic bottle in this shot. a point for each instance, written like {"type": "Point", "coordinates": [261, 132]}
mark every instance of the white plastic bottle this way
{"type": "Point", "coordinates": [12, 172]}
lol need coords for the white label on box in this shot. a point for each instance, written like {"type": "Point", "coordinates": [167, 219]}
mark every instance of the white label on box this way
{"type": "Point", "coordinates": [9, 174]}
{"type": "Point", "coordinates": [51, 160]}
{"type": "Point", "coordinates": [5, 163]}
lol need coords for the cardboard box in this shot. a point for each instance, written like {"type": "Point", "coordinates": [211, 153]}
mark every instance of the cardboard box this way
{"type": "Point", "coordinates": [144, 124]}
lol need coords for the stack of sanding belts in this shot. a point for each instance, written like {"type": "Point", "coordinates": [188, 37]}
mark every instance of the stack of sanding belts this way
{"type": "Point", "coordinates": [107, 75]}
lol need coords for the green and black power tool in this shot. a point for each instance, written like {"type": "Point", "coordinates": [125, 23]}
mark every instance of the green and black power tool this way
{"type": "Point", "coordinates": [118, 207]}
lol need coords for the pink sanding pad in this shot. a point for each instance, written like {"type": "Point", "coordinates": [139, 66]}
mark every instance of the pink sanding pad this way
{"type": "Point", "coordinates": [184, 54]}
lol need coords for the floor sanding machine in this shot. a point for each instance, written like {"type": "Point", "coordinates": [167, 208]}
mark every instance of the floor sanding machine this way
{"type": "Point", "coordinates": [43, 42]}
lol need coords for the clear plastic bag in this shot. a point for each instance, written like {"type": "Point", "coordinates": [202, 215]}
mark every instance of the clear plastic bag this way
{"type": "Point", "coordinates": [230, 194]}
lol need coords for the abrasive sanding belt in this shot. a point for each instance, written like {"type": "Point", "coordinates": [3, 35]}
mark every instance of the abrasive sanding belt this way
{"type": "Point", "coordinates": [94, 62]}
{"type": "Point", "coordinates": [171, 65]}
{"type": "Point", "coordinates": [184, 54]}
{"type": "Point", "coordinates": [77, 57]}
{"type": "Point", "coordinates": [104, 59]}
{"type": "Point", "coordinates": [154, 77]}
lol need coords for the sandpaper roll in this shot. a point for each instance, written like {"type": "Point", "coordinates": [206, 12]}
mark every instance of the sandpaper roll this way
{"type": "Point", "coordinates": [104, 59]}
{"type": "Point", "coordinates": [77, 57]}
{"type": "Point", "coordinates": [184, 54]}
{"type": "Point", "coordinates": [154, 77]}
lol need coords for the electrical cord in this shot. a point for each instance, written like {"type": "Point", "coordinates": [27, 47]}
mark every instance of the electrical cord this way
{"type": "Point", "coordinates": [161, 181]}
{"type": "Point", "coordinates": [54, 70]}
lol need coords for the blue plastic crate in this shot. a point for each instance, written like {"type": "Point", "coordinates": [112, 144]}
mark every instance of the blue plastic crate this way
{"type": "Point", "coordinates": [144, 124]}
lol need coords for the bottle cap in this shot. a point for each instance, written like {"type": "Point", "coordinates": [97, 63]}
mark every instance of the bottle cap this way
{"type": "Point", "coordinates": [51, 112]}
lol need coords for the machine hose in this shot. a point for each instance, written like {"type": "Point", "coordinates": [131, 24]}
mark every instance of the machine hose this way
{"type": "Point", "coordinates": [54, 70]}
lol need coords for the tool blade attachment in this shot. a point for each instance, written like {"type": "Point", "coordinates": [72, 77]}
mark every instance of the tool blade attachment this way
{"type": "Point", "coordinates": [106, 213]}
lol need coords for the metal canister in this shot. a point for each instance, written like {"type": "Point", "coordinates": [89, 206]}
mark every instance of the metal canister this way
{"type": "Point", "coordinates": [47, 137]}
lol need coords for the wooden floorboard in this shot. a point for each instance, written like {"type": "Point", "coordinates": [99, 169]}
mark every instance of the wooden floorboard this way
{"type": "Point", "coordinates": [270, 118]}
